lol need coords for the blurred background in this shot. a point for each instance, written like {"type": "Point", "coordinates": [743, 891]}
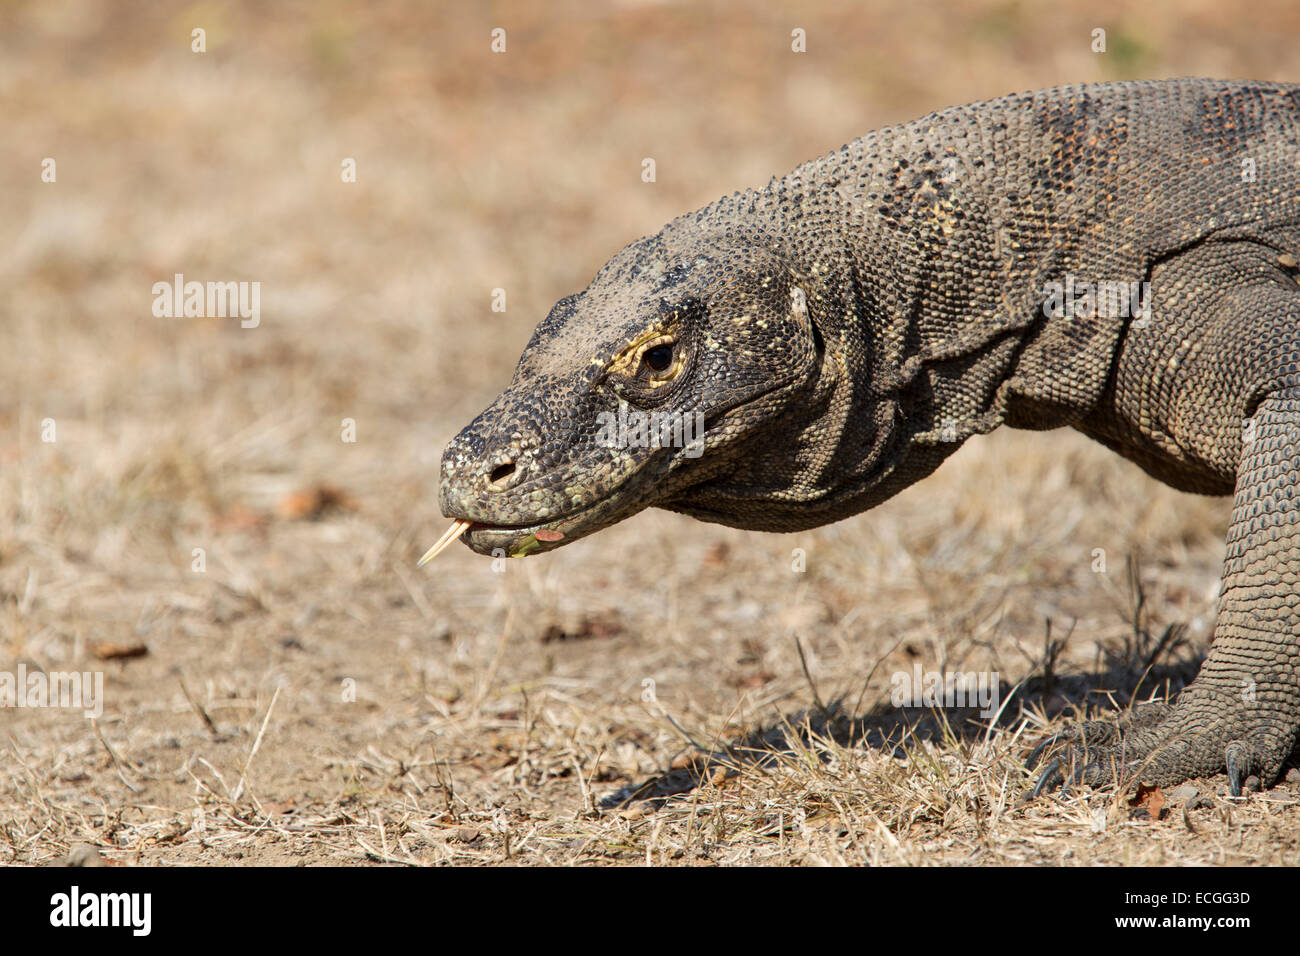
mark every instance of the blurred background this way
{"type": "Point", "coordinates": [474, 171]}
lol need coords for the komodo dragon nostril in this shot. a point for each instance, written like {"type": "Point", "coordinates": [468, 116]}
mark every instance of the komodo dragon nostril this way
{"type": "Point", "coordinates": [501, 473]}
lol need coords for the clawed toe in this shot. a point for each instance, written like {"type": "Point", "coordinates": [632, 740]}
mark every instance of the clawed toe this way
{"type": "Point", "coordinates": [1032, 760]}
{"type": "Point", "coordinates": [1244, 767]}
{"type": "Point", "coordinates": [1074, 767]}
{"type": "Point", "coordinates": [1234, 757]}
{"type": "Point", "coordinates": [1048, 780]}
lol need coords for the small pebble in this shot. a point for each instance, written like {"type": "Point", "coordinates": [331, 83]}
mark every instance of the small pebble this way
{"type": "Point", "coordinates": [82, 854]}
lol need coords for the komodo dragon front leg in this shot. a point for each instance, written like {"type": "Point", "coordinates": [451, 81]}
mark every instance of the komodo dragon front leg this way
{"type": "Point", "coordinates": [1241, 713]}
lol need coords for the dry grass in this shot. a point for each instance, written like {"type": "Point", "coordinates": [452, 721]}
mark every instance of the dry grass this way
{"type": "Point", "coordinates": [498, 717]}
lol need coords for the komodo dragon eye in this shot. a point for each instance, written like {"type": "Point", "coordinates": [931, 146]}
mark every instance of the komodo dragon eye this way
{"type": "Point", "coordinates": [660, 363]}
{"type": "Point", "coordinates": [659, 359]}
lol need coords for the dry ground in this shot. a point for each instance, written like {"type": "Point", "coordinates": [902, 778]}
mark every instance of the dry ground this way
{"type": "Point", "coordinates": [499, 715]}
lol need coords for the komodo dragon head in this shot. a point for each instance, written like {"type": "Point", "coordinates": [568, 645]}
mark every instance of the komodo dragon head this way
{"type": "Point", "coordinates": [690, 375]}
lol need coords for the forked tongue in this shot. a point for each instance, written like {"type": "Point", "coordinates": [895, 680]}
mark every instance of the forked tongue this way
{"type": "Point", "coordinates": [458, 527]}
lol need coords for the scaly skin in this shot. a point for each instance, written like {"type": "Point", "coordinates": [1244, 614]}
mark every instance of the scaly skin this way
{"type": "Point", "coordinates": [843, 330]}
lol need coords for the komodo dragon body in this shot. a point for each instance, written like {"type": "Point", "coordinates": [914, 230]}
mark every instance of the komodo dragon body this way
{"type": "Point", "coordinates": [1120, 258]}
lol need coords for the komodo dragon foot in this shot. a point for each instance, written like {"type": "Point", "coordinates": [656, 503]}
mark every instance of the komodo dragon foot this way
{"type": "Point", "coordinates": [1241, 714]}
{"type": "Point", "coordinates": [1163, 745]}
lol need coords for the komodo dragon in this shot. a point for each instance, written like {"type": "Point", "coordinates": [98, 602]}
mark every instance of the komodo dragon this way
{"type": "Point", "coordinates": [1120, 258]}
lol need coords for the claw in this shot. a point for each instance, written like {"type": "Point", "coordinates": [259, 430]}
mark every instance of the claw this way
{"type": "Point", "coordinates": [1049, 779]}
{"type": "Point", "coordinates": [1032, 760]}
{"type": "Point", "coordinates": [1234, 758]}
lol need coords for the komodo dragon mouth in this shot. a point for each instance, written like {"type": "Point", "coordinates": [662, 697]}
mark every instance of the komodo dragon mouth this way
{"type": "Point", "coordinates": [517, 541]}
{"type": "Point", "coordinates": [514, 542]}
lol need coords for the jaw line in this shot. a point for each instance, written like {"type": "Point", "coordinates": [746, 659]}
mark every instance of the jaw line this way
{"type": "Point", "coordinates": [521, 540]}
